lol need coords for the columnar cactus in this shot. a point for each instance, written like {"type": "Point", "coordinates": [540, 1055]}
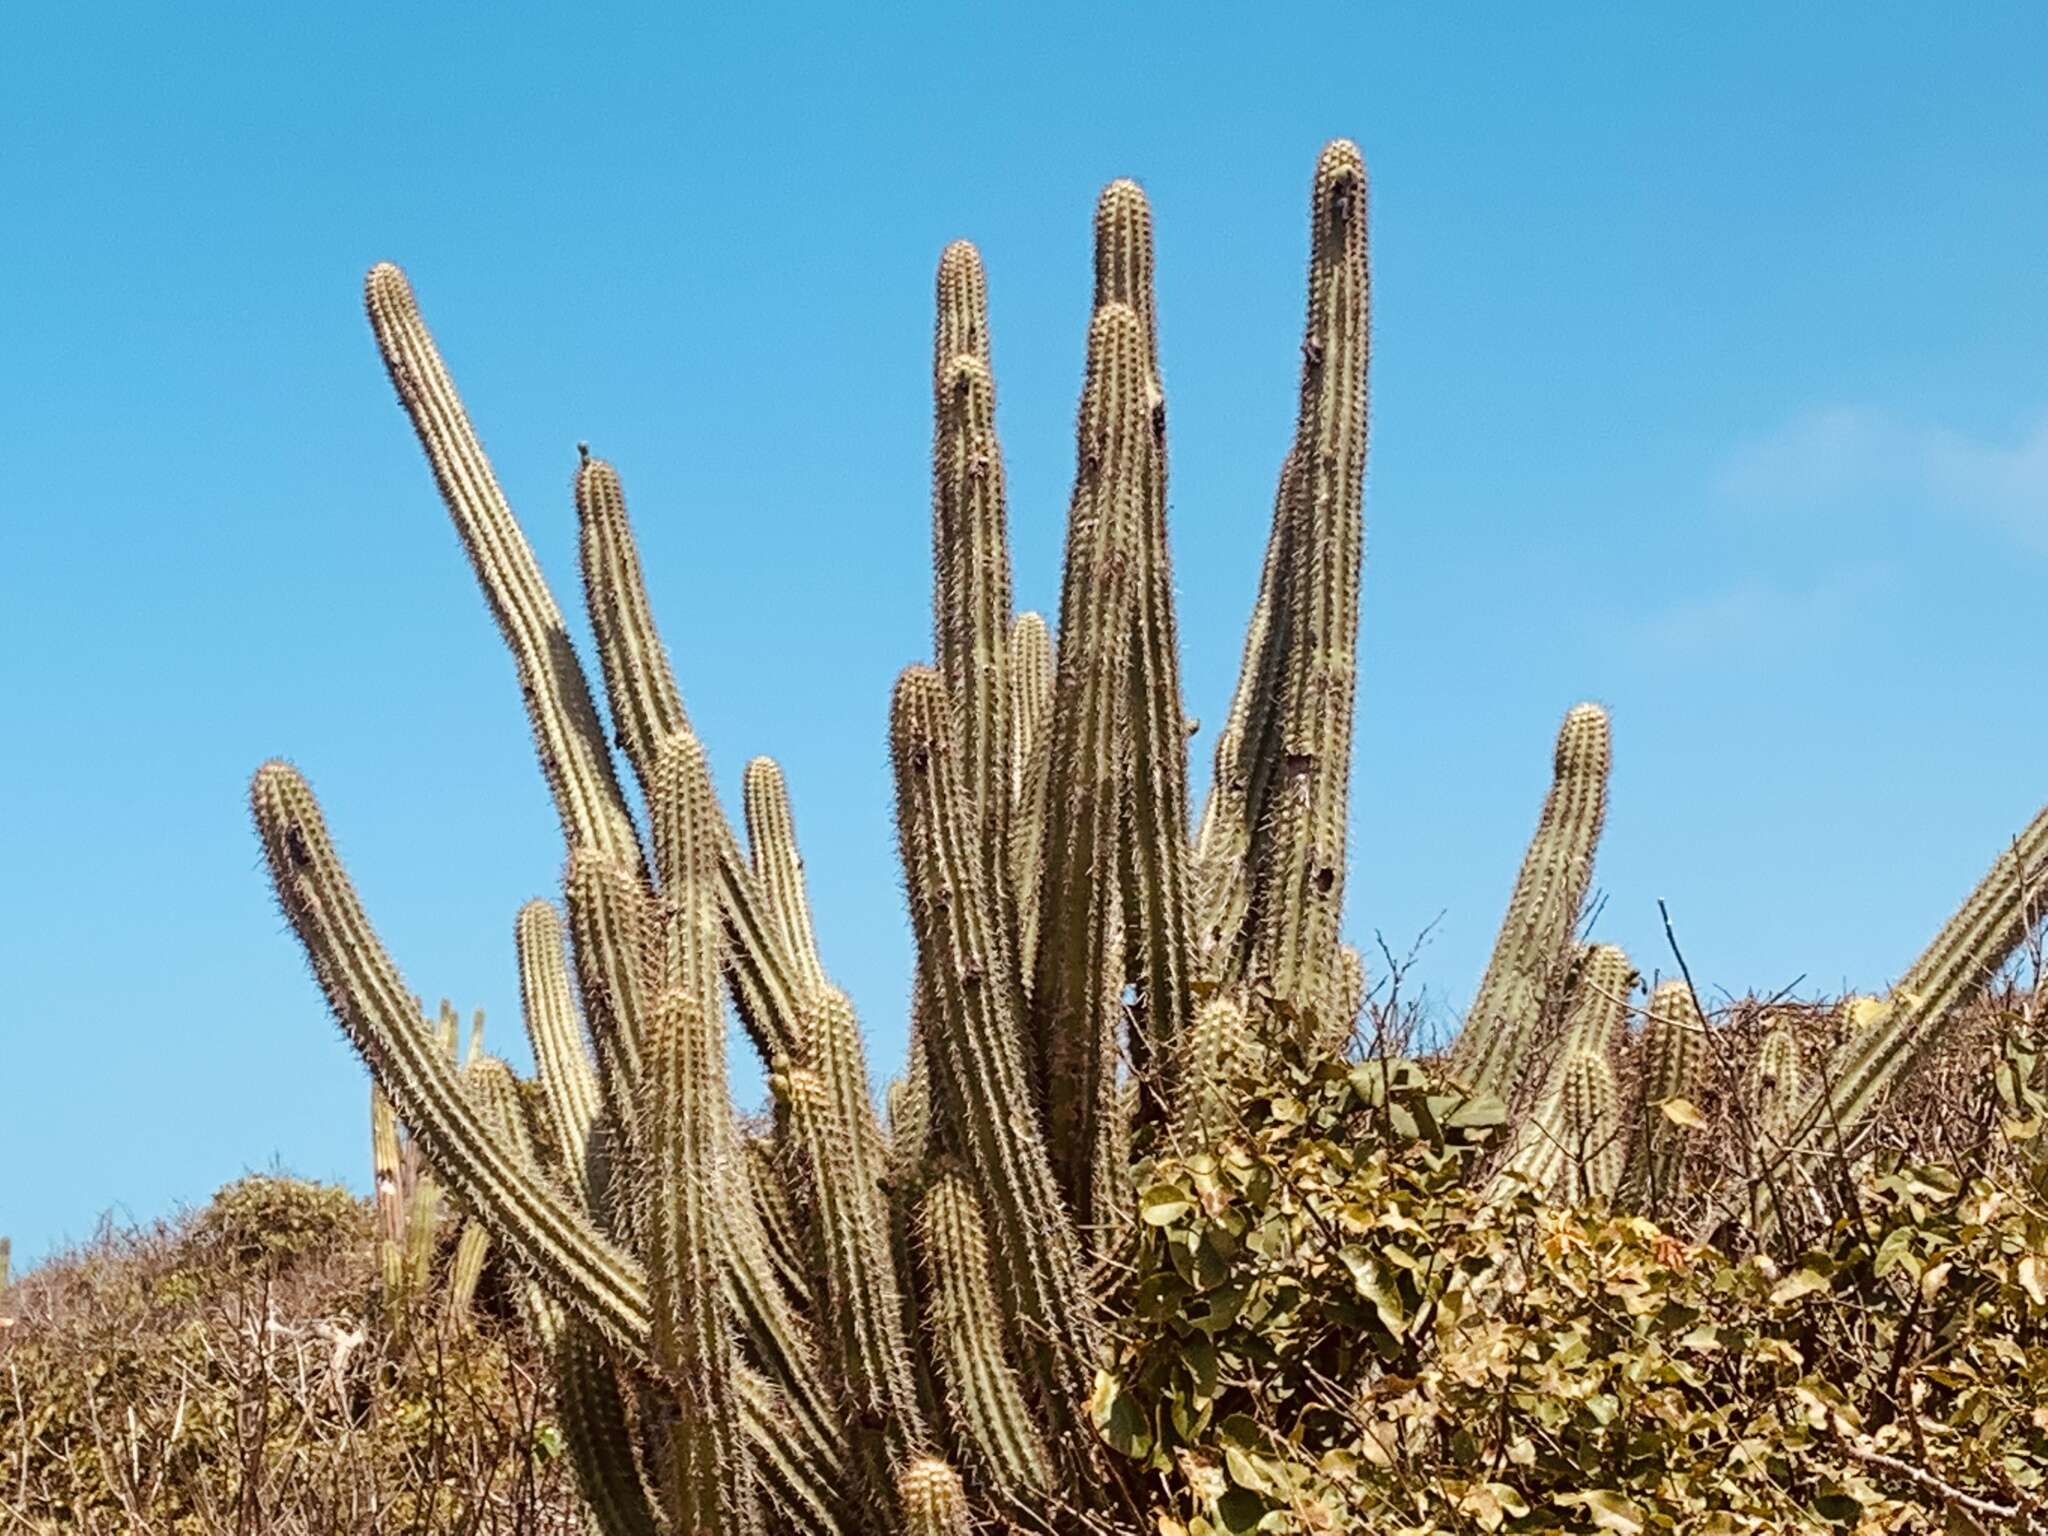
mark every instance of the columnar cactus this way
{"type": "Point", "coordinates": [837, 1326]}
{"type": "Point", "coordinates": [1572, 1137]}
{"type": "Point", "coordinates": [1533, 952]}
{"type": "Point", "coordinates": [1674, 1050]}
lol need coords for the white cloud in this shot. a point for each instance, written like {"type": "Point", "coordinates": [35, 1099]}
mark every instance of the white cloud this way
{"type": "Point", "coordinates": [1756, 619]}
{"type": "Point", "coordinates": [1851, 457]}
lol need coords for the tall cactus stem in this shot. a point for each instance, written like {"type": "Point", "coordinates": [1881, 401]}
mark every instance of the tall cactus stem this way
{"type": "Point", "coordinates": [1534, 946]}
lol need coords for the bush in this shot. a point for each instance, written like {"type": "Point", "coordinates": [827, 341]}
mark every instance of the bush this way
{"type": "Point", "coordinates": [1334, 1328]}
{"type": "Point", "coordinates": [230, 1371]}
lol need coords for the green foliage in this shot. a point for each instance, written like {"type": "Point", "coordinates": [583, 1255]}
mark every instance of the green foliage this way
{"type": "Point", "coordinates": [1328, 1330]}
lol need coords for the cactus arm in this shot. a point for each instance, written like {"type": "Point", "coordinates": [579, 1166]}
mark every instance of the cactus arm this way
{"type": "Point", "coordinates": [1350, 998]}
{"type": "Point", "coordinates": [967, 1329]}
{"type": "Point", "coordinates": [1776, 1080]}
{"type": "Point", "coordinates": [779, 868]}
{"type": "Point", "coordinates": [708, 1481]}
{"type": "Point", "coordinates": [970, 540]}
{"type": "Point", "coordinates": [566, 729]}
{"type": "Point", "coordinates": [1214, 1060]}
{"type": "Point", "coordinates": [1559, 1135]}
{"type": "Point", "coordinates": [647, 707]}
{"type": "Point", "coordinates": [974, 1050]}
{"type": "Point", "coordinates": [863, 1296]}
{"type": "Point", "coordinates": [1224, 839]}
{"type": "Point", "coordinates": [1031, 683]}
{"type": "Point", "coordinates": [1674, 1050]}
{"type": "Point", "coordinates": [1080, 961]}
{"type": "Point", "coordinates": [1592, 1146]}
{"type": "Point", "coordinates": [1300, 823]}
{"type": "Point", "coordinates": [1994, 921]}
{"type": "Point", "coordinates": [550, 1238]}
{"type": "Point", "coordinates": [1161, 926]}
{"type": "Point", "coordinates": [1535, 936]}
{"type": "Point", "coordinates": [612, 933]}
{"type": "Point", "coordinates": [804, 1479]}
{"type": "Point", "coordinates": [598, 1433]}
{"type": "Point", "coordinates": [574, 1100]}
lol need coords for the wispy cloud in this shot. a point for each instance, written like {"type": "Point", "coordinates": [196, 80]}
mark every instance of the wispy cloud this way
{"type": "Point", "coordinates": [1851, 458]}
{"type": "Point", "coordinates": [1757, 619]}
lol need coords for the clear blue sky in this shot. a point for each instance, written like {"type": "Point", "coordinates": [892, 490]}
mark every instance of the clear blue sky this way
{"type": "Point", "coordinates": [1710, 380]}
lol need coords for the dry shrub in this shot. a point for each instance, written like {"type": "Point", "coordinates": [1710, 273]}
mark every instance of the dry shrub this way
{"type": "Point", "coordinates": [229, 1372]}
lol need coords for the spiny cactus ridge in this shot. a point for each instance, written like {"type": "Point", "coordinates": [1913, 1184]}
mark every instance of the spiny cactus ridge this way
{"type": "Point", "coordinates": [842, 1325]}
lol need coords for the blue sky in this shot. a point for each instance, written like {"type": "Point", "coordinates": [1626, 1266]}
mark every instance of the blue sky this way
{"type": "Point", "coordinates": [1708, 382]}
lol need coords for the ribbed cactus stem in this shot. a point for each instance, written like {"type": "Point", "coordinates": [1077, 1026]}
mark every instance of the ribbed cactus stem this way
{"type": "Point", "coordinates": [574, 1100]}
{"type": "Point", "coordinates": [863, 1296]}
{"type": "Point", "coordinates": [1556, 1141]}
{"type": "Point", "coordinates": [592, 1411]}
{"type": "Point", "coordinates": [1158, 876]}
{"type": "Point", "coordinates": [1593, 1150]}
{"type": "Point", "coordinates": [1995, 920]}
{"type": "Point", "coordinates": [549, 1236]}
{"type": "Point", "coordinates": [1217, 1057]}
{"type": "Point", "coordinates": [1031, 702]}
{"type": "Point", "coordinates": [972, 1037]}
{"type": "Point", "coordinates": [1534, 946]}
{"type": "Point", "coordinates": [1300, 823]}
{"type": "Point", "coordinates": [1674, 1053]}
{"type": "Point", "coordinates": [566, 730]}
{"type": "Point", "coordinates": [1077, 997]}
{"type": "Point", "coordinates": [971, 556]}
{"type": "Point", "coordinates": [779, 868]}
{"type": "Point", "coordinates": [615, 940]}
{"type": "Point", "coordinates": [647, 707]}
{"type": "Point", "coordinates": [1223, 841]}
{"type": "Point", "coordinates": [967, 1327]}
{"type": "Point", "coordinates": [1776, 1082]}
{"type": "Point", "coordinates": [807, 1484]}
{"type": "Point", "coordinates": [708, 1481]}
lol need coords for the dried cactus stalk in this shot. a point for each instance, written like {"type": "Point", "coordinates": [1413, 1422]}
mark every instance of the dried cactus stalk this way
{"type": "Point", "coordinates": [1534, 946]}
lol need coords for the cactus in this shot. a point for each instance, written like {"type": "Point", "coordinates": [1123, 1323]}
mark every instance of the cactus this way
{"type": "Point", "coordinates": [1890, 1035]}
{"type": "Point", "coordinates": [1673, 1054]}
{"type": "Point", "coordinates": [831, 1325]}
{"type": "Point", "coordinates": [1534, 948]}
{"type": "Point", "coordinates": [1571, 1138]}
{"type": "Point", "coordinates": [835, 1326]}
{"type": "Point", "coordinates": [1774, 1083]}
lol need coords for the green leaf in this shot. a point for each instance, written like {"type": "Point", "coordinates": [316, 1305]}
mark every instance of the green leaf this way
{"type": "Point", "coordinates": [1164, 1204]}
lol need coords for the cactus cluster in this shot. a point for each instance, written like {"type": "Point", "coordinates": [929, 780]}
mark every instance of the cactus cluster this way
{"type": "Point", "coordinates": [1550, 1027]}
{"type": "Point", "coordinates": [835, 1322]}
{"type": "Point", "coordinates": [829, 1322]}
